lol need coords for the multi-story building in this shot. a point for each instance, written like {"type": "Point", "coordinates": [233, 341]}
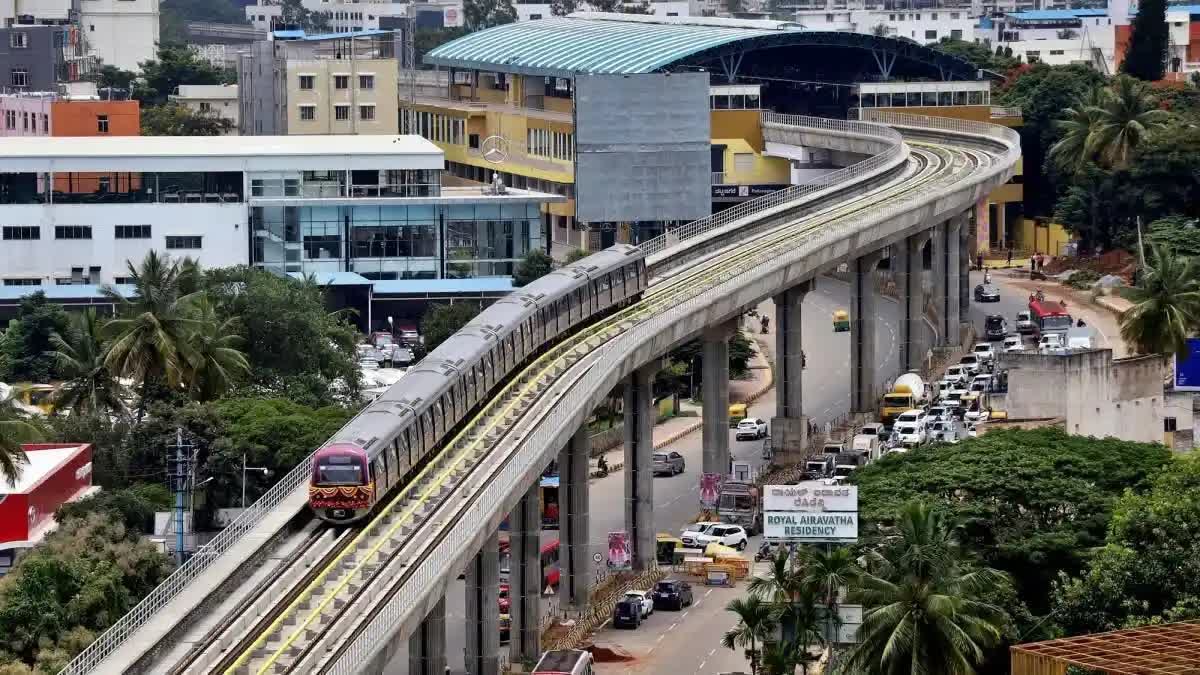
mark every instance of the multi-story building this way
{"type": "Point", "coordinates": [532, 10]}
{"type": "Point", "coordinates": [37, 57]}
{"type": "Point", "coordinates": [921, 25]}
{"type": "Point", "coordinates": [293, 204]}
{"type": "Point", "coordinates": [348, 16]}
{"type": "Point", "coordinates": [52, 114]}
{"type": "Point", "coordinates": [343, 83]}
{"type": "Point", "coordinates": [219, 100]}
{"type": "Point", "coordinates": [26, 113]}
{"type": "Point", "coordinates": [122, 33]}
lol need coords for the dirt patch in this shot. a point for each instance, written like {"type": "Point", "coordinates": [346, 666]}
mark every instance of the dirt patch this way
{"type": "Point", "coordinates": [609, 653]}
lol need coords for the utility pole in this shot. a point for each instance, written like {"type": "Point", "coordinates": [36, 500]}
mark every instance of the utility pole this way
{"type": "Point", "coordinates": [179, 469]}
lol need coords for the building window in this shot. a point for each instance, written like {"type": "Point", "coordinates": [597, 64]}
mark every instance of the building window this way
{"type": "Point", "coordinates": [205, 106]}
{"type": "Point", "coordinates": [341, 112]}
{"type": "Point", "coordinates": [308, 112]}
{"type": "Point", "coordinates": [25, 121]}
{"type": "Point", "coordinates": [19, 40]}
{"type": "Point", "coordinates": [366, 112]}
{"type": "Point", "coordinates": [1032, 56]}
{"type": "Point", "coordinates": [931, 35]}
{"type": "Point", "coordinates": [956, 34]}
{"type": "Point", "coordinates": [133, 231]}
{"type": "Point", "coordinates": [308, 82]}
{"type": "Point", "coordinates": [935, 16]}
{"type": "Point", "coordinates": [10, 119]}
{"type": "Point", "coordinates": [954, 15]}
{"type": "Point", "coordinates": [1056, 52]}
{"type": "Point", "coordinates": [341, 81]}
{"type": "Point", "coordinates": [102, 123]}
{"type": "Point", "coordinates": [72, 231]}
{"type": "Point", "coordinates": [19, 77]}
{"type": "Point", "coordinates": [121, 281]}
{"type": "Point", "coordinates": [22, 232]}
{"type": "Point", "coordinates": [1169, 424]}
{"type": "Point", "coordinates": [184, 242]}
{"type": "Point", "coordinates": [27, 281]}
{"type": "Point", "coordinates": [366, 81]}
{"type": "Point", "coordinates": [45, 123]}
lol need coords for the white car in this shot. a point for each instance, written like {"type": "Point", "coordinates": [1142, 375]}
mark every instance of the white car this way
{"type": "Point", "coordinates": [691, 534]}
{"type": "Point", "coordinates": [971, 363]}
{"type": "Point", "coordinates": [917, 417]}
{"type": "Point", "coordinates": [751, 428]}
{"type": "Point", "coordinates": [910, 434]}
{"type": "Point", "coordinates": [938, 412]}
{"type": "Point", "coordinates": [644, 599]}
{"type": "Point", "coordinates": [1013, 343]}
{"type": "Point", "coordinates": [733, 536]}
{"type": "Point", "coordinates": [985, 351]}
{"type": "Point", "coordinates": [945, 431]}
{"type": "Point", "coordinates": [956, 374]}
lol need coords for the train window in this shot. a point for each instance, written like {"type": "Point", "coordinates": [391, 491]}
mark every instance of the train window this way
{"type": "Point", "coordinates": [340, 470]}
{"type": "Point", "coordinates": [439, 417]}
{"type": "Point", "coordinates": [383, 460]}
{"type": "Point", "coordinates": [427, 431]}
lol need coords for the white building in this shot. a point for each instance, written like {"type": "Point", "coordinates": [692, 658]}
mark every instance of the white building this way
{"type": "Point", "coordinates": [220, 100]}
{"type": "Point", "coordinates": [123, 33]}
{"type": "Point", "coordinates": [532, 11]}
{"type": "Point", "coordinates": [921, 25]}
{"type": "Point", "coordinates": [350, 16]}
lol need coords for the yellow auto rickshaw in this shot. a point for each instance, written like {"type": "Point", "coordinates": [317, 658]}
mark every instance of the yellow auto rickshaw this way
{"type": "Point", "coordinates": [737, 413]}
{"type": "Point", "coordinates": [666, 546]}
{"type": "Point", "coordinates": [841, 321]}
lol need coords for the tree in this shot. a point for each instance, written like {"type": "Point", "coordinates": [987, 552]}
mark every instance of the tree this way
{"type": "Point", "coordinates": [1029, 503]}
{"type": "Point", "coordinates": [172, 119]}
{"type": "Point", "coordinates": [1094, 208]}
{"type": "Point", "coordinates": [788, 587]}
{"type": "Point", "coordinates": [1077, 148]}
{"type": "Point", "coordinates": [1177, 234]}
{"type": "Point", "coordinates": [827, 573]}
{"type": "Point", "coordinates": [216, 362]}
{"type": "Point", "coordinates": [481, 14]}
{"type": "Point", "coordinates": [756, 623]}
{"type": "Point", "coordinates": [296, 14]}
{"type": "Point", "coordinates": [734, 6]}
{"type": "Point", "coordinates": [134, 506]}
{"type": "Point", "coordinates": [1146, 57]}
{"type": "Point", "coordinates": [977, 54]}
{"type": "Point", "coordinates": [174, 65]}
{"type": "Point", "coordinates": [90, 387]}
{"type": "Point", "coordinates": [108, 76]}
{"type": "Point", "coordinates": [27, 348]}
{"type": "Point", "coordinates": [575, 255]}
{"type": "Point", "coordinates": [1129, 115]}
{"type": "Point", "coordinates": [563, 7]}
{"type": "Point", "coordinates": [1166, 307]}
{"type": "Point", "coordinates": [535, 265]}
{"type": "Point", "coordinates": [920, 608]}
{"type": "Point", "coordinates": [1166, 171]}
{"type": "Point", "coordinates": [13, 432]}
{"type": "Point", "coordinates": [426, 40]}
{"type": "Point", "coordinates": [1149, 568]}
{"type": "Point", "coordinates": [442, 321]}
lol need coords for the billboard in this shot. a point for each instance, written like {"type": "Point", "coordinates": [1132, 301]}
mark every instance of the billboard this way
{"type": "Point", "coordinates": [811, 495]}
{"type": "Point", "coordinates": [710, 489]}
{"type": "Point", "coordinates": [619, 557]}
{"type": "Point", "coordinates": [1187, 371]}
{"type": "Point", "coordinates": [811, 527]}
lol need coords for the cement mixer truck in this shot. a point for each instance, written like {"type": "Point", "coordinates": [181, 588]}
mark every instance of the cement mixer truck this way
{"type": "Point", "coordinates": [907, 393]}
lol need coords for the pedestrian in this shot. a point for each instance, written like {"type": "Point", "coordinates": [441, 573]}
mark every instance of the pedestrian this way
{"type": "Point", "coordinates": [1009, 263]}
{"type": "Point", "coordinates": [978, 261]}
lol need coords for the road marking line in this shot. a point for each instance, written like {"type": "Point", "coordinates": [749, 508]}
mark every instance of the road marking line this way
{"type": "Point", "coordinates": [649, 651]}
{"type": "Point", "coordinates": [660, 638]}
{"type": "Point", "coordinates": [706, 593]}
{"type": "Point", "coordinates": [685, 615]}
{"type": "Point", "coordinates": [701, 666]}
{"type": "Point", "coordinates": [712, 651]}
{"type": "Point", "coordinates": [672, 627]}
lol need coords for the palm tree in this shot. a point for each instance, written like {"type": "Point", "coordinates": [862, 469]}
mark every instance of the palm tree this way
{"type": "Point", "coordinates": [13, 432]}
{"type": "Point", "coordinates": [797, 607]}
{"type": "Point", "coordinates": [828, 572]}
{"type": "Point", "coordinates": [149, 339]}
{"type": "Point", "coordinates": [1166, 305]}
{"type": "Point", "coordinates": [216, 361]}
{"type": "Point", "coordinates": [780, 658]}
{"type": "Point", "coordinates": [921, 609]}
{"type": "Point", "coordinates": [782, 584]}
{"type": "Point", "coordinates": [1127, 118]}
{"type": "Point", "coordinates": [90, 387]}
{"type": "Point", "coordinates": [1077, 147]}
{"type": "Point", "coordinates": [756, 623]}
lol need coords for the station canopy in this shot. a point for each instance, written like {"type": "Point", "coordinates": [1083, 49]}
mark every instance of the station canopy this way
{"type": "Point", "coordinates": [622, 44]}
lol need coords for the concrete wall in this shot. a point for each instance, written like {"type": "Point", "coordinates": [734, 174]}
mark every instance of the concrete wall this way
{"type": "Point", "coordinates": [39, 58]}
{"type": "Point", "coordinates": [123, 33]}
{"type": "Point", "coordinates": [260, 96]}
{"type": "Point", "coordinates": [1096, 395]}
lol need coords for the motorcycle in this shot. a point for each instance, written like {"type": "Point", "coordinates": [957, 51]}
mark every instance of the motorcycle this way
{"type": "Point", "coordinates": [765, 552]}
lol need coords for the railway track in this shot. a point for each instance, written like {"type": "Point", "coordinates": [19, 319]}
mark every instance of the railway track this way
{"type": "Point", "coordinates": [391, 542]}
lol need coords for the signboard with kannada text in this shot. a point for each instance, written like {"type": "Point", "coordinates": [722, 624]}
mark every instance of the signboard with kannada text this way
{"type": "Point", "coordinates": [810, 528]}
{"type": "Point", "coordinates": [811, 495]}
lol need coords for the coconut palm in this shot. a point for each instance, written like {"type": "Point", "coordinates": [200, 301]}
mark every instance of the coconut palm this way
{"type": "Point", "coordinates": [216, 360]}
{"type": "Point", "coordinates": [1077, 147]}
{"type": "Point", "coordinates": [921, 613]}
{"type": "Point", "coordinates": [781, 584]}
{"type": "Point", "coordinates": [797, 606]}
{"type": "Point", "coordinates": [756, 623]}
{"type": "Point", "coordinates": [13, 432]}
{"type": "Point", "coordinates": [780, 658]}
{"type": "Point", "coordinates": [1166, 305]}
{"type": "Point", "coordinates": [149, 338]}
{"type": "Point", "coordinates": [1126, 119]}
{"type": "Point", "coordinates": [828, 572]}
{"type": "Point", "coordinates": [90, 387]}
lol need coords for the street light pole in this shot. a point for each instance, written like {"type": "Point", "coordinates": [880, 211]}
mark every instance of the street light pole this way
{"type": "Point", "coordinates": [265, 471]}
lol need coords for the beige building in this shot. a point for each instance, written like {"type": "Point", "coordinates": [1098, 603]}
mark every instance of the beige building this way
{"type": "Point", "coordinates": [340, 84]}
{"type": "Point", "coordinates": [220, 100]}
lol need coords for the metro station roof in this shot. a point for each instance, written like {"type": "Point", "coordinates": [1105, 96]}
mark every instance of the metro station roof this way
{"type": "Point", "coordinates": [622, 44]}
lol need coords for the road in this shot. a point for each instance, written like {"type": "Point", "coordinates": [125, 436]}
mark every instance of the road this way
{"type": "Point", "coordinates": [676, 501]}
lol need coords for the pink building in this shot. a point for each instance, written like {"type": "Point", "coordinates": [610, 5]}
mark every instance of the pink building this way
{"type": "Point", "coordinates": [26, 114]}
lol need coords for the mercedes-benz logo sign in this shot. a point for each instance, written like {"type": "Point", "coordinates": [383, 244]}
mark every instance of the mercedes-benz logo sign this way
{"type": "Point", "coordinates": [495, 149]}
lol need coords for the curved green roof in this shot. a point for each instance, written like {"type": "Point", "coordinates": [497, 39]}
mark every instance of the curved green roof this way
{"type": "Point", "coordinates": [566, 46]}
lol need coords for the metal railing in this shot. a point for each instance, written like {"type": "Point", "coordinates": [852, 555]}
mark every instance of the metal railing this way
{"type": "Point", "coordinates": [718, 178]}
{"type": "Point", "coordinates": [292, 485]}
{"type": "Point", "coordinates": [795, 192]}
{"type": "Point", "coordinates": [593, 383]}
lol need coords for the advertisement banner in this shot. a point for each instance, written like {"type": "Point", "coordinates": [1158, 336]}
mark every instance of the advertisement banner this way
{"type": "Point", "coordinates": [806, 527]}
{"type": "Point", "coordinates": [1187, 371]}
{"type": "Point", "coordinates": [619, 557]}
{"type": "Point", "coordinates": [710, 489]}
{"type": "Point", "coordinates": [810, 495]}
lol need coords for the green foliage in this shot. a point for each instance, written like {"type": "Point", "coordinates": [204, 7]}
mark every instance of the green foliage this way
{"type": "Point", "coordinates": [144, 456]}
{"type": "Point", "coordinates": [563, 7]}
{"type": "Point", "coordinates": [112, 76]}
{"type": "Point", "coordinates": [427, 39]}
{"type": "Point", "coordinates": [978, 54]}
{"type": "Point", "coordinates": [1149, 568]}
{"type": "Point", "coordinates": [1083, 279]}
{"type": "Point", "coordinates": [172, 119]}
{"type": "Point", "coordinates": [576, 255]}
{"type": "Point", "coordinates": [535, 265]}
{"type": "Point", "coordinates": [175, 65]}
{"type": "Point", "coordinates": [134, 507]}
{"type": "Point", "coordinates": [756, 621]}
{"type": "Point", "coordinates": [1166, 173]}
{"type": "Point", "coordinates": [1030, 503]}
{"type": "Point", "coordinates": [107, 436]}
{"type": "Point", "coordinates": [27, 346]}
{"type": "Point", "coordinates": [90, 388]}
{"type": "Point", "coordinates": [1178, 234]}
{"type": "Point", "coordinates": [442, 321]}
{"type": "Point", "coordinates": [14, 430]}
{"type": "Point", "coordinates": [1166, 305]}
{"type": "Point", "coordinates": [1094, 208]}
{"type": "Point", "coordinates": [1146, 57]}
{"type": "Point", "coordinates": [83, 577]}
{"type": "Point", "coordinates": [480, 14]}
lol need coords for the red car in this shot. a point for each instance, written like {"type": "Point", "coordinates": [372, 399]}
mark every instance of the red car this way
{"type": "Point", "coordinates": [505, 602]}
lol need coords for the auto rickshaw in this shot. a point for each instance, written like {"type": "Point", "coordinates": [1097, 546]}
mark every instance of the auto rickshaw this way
{"type": "Point", "coordinates": [666, 547]}
{"type": "Point", "coordinates": [737, 413]}
{"type": "Point", "coordinates": [841, 321]}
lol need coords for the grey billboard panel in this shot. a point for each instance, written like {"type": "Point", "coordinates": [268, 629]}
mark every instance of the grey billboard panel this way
{"type": "Point", "coordinates": [642, 147]}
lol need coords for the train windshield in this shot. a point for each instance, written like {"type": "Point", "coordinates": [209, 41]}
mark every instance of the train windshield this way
{"type": "Point", "coordinates": [337, 470]}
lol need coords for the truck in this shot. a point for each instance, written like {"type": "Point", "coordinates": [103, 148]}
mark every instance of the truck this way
{"type": "Point", "coordinates": [818, 466]}
{"type": "Point", "coordinates": [738, 503]}
{"type": "Point", "coordinates": [869, 445]}
{"type": "Point", "coordinates": [846, 463]}
{"type": "Point", "coordinates": [907, 393]}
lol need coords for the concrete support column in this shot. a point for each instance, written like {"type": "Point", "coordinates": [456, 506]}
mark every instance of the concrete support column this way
{"type": "Point", "coordinates": [789, 428]}
{"type": "Point", "coordinates": [909, 266]}
{"type": "Point", "coordinates": [953, 265]}
{"type": "Point", "coordinates": [715, 385]}
{"type": "Point", "coordinates": [864, 317]}
{"type": "Point", "coordinates": [525, 576]}
{"type": "Point", "coordinates": [483, 610]}
{"type": "Point", "coordinates": [966, 253]}
{"type": "Point", "coordinates": [639, 465]}
{"type": "Point", "coordinates": [427, 645]}
{"type": "Point", "coordinates": [937, 271]}
{"type": "Point", "coordinates": [576, 584]}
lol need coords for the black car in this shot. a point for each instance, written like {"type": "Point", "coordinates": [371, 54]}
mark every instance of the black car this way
{"type": "Point", "coordinates": [672, 594]}
{"type": "Point", "coordinates": [995, 327]}
{"type": "Point", "coordinates": [987, 293]}
{"type": "Point", "coordinates": [627, 613]}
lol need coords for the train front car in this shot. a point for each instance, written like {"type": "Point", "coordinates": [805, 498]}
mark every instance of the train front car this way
{"type": "Point", "coordinates": [342, 489]}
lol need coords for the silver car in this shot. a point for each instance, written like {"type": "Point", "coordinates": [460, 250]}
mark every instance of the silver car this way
{"type": "Point", "coordinates": [669, 463]}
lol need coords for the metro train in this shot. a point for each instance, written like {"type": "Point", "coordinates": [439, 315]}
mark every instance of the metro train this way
{"type": "Point", "coordinates": [391, 439]}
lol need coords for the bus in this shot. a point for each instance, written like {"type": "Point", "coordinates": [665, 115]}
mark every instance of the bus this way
{"type": "Point", "coordinates": [564, 662]}
{"type": "Point", "coordinates": [551, 572]}
{"type": "Point", "coordinates": [1049, 317]}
